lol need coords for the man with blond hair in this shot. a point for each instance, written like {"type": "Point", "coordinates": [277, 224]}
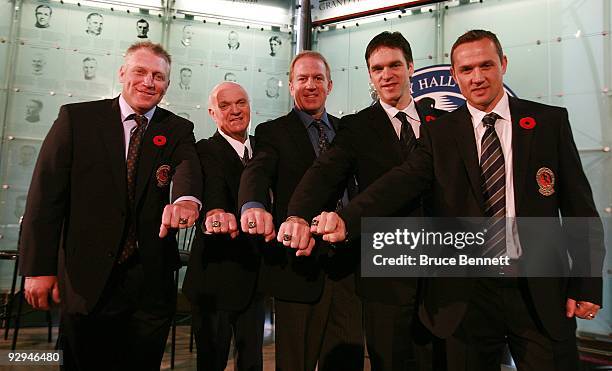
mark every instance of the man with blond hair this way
{"type": "Point", "coordinates": [99, 226]}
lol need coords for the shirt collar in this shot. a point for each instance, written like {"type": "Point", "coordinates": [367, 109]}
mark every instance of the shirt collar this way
{"type": "Point", "coordinates": [410, 110]}
{"type": "Point", "coordinates": [126, 110]}
{"type": "Point", "coordinates": [502, 108]}
{"type": "Point", "coordinates": [307, 119]}
{"type": "Point", "coordinates": [237, 145]}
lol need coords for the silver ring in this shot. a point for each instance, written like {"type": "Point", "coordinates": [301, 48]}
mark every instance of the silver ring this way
{"type": "Point", "coordinates": [216, 224]}
{"type": "Point", "coordinates": [183, 221]}
{"type": "Point", "coordinates": [251, 224]}
{"type": "Point", "coordinates": [315, 222]}
{"type": "Point", "coordinates": [591, 315]}
{"type": "Point", "coordinates": [286, 237]}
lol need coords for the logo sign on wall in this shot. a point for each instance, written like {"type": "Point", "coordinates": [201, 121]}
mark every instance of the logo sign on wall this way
{"type": "Point", "coordinates": [435, 84]}
{"type": "Point", "coordinates": [335, 10]}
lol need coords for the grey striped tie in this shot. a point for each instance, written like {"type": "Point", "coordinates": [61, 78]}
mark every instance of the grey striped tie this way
{"type": "Point", "coordinates": [493, 187]}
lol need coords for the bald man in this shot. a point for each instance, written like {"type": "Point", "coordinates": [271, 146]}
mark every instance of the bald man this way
{"type": "Point", "coordinates": [222, 273]}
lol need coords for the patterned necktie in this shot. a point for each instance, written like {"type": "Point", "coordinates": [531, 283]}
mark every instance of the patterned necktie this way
{"type": "Point", "coordinates": [131, 165]}
{"type": "Point", "coordinates": [493, 175]}
{"type": "Point", "coordinates": [407, 137]}
{"type": "Point", "coordinates": [323, 141]}
{"type": "Point", "coordinates": [245, 156]}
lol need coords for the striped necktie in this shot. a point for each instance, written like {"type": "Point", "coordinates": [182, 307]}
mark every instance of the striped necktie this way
{"type": "Point", "coordinates": [132, 164]}
{"type": "Point", "coordinates": [493, 187]}
{"type": "Point", "coordinates": [407, 137]}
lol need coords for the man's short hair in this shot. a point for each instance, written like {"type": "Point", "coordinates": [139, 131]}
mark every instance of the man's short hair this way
{"type": "Point", "coordinates": [94, 15]}
{"type": "Point", "coordinates": [142, 20]}
{"type": "Point", "coordinates": [477, 35]}
{"type": "Point", "coordinates": [154, 48]}
{"type": "Point", "coordinates": [185, 69]}
{"type": "Point", "coordinates": [313, 54]}
{"type": "Point", "coordinates": [275, 38]}
{"type": "Point", "coordinates": [39, 104]}
{"type": "Point", "coordinates": [388, 39]}
{"type": "Point", "coordinates": [44, 6]}
{"type": "Point", "coordinates": [87, 59]}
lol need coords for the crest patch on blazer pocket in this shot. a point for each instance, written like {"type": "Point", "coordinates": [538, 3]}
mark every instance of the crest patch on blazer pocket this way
{"type": "Point", "coordinates": [163, 175]}
{"type": "Point", "coordinates": [546, 181]}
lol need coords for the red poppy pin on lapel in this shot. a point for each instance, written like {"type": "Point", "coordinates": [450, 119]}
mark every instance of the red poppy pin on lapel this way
{"type": "Point", "coordinates": [159, 140]}
{"type": "Point", "coordinates": [430, 118]}
{"type": "Point", "coordinates": [527, 123]}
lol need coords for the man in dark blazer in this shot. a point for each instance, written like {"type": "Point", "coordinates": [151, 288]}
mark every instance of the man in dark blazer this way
{"type": "Point", "coordinates": [98, 217]}
{"type": "Point", "coordinates": [318, 315]}
{"type": "Point", "coordinates": [221, 278]}
{"type": "Point", "coordinates": [369, 144]}
{"type": "Point", "coordinates": [540, 175]}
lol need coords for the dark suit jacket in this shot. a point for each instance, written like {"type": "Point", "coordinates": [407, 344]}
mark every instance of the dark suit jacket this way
{"type": "Point", "coordinates": [222, 272]}
{"type": "Point", "coordinates": [366, 147]}
{"type": "Point", "coordinates": [283, 153]}
{"type": "Point", "coordinates": [446, 163]}
{"type": "Point", "coordinates": [77, 210]}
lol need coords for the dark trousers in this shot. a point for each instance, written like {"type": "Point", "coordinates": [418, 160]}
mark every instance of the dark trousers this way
{"type": "Point", "coordinates": [213, 330]}
{"type": "Point", "coordinates": [127, 329]}
{"type": "Point", "coordinates": [397, 341]}
{"type": "Point", "coordinates": [328, 332]}
{"type": "Point", "coordinates": [501, 312]}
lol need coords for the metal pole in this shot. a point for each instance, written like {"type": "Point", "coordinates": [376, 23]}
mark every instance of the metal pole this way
{"type": "Point", "coordinates": [303, 26]}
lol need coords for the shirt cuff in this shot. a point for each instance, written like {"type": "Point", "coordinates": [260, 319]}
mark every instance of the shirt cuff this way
{"type": "Point", "coordinates": [189, 198]}
{"type": "Point", "coordinates": [251, 205]}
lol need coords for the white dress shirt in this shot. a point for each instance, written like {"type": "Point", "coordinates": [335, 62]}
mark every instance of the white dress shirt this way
{"type": "Point", "coordinates": [413, 117]}
{"type": "Point", "coordinates": [503, 128]}
{"type": "Point", "coordinates": [128, 128]}
{"type": "Point", "coordinates": [237, 145]}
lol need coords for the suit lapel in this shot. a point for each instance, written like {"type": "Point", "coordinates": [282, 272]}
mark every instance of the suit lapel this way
{"type": "Point", "coordinates": [232, 163]}
{"type": "Point", "coordinates": [299, 136]}
{"type": "Point", "coordinates": [466, 146]}
{"type": "Point", "coordinates": [149, 152]}
{"type": "Point", "coordinates": [521, 148]}
{"type": "Point", "coordinates": [381, 125]}
{"type": "Point", "coordinates": [112, 134]}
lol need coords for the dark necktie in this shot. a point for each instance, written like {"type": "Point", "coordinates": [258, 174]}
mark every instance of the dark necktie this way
{"type": "Point", "coordinates": [493, 175]}
{"type": "Point", "coordinates": [323, 146]}
{"type": "Point", "coordinates": [245, 156]}
{"type": "Point", "coordinates": [407, 137]}
{"type": "Point", "coordinates": [323, 141]}
{"type": "Point", "coordinates": [131, 165]}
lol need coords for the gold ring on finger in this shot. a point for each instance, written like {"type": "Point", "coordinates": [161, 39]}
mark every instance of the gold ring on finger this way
{"type": "Point", "coordinates": [251, 224]}
{"type": "Point", "coordinates": [183, 220]}
{"type": "Point", "coordinates": [216, 224]}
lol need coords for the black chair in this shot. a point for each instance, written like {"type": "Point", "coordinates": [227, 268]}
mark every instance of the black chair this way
{"type": "Point", "coordinates": [8, 309]}
{"type": "Point", "coordinates": [185, 238]}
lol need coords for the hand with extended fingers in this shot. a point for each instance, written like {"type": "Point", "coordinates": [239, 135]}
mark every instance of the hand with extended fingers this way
{"type": "Point", "coordinates": [258, 221]}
